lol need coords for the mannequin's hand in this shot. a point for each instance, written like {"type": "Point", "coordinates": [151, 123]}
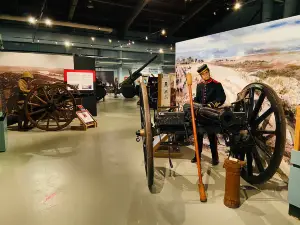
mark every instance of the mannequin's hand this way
{"type": "Point", "coordinates": [210, 105]}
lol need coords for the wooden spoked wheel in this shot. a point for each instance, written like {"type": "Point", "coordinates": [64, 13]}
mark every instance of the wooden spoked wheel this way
{"type": "Point", "coordinates": [267, 128]}
{"type": "Point", "coordinates": [147, 136]}
{"type": "Point", "coordinates": [50, 107]}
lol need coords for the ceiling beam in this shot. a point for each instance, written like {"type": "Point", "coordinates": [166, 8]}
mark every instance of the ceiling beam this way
{"type": "Point", "coordinates": [137, 10]}
{"type": "Point", "coordinates": [187, 17]}
{"type": "Point", "coordinates": [145, 10]}
{"type": "Point", "coordinates": [72, 9]}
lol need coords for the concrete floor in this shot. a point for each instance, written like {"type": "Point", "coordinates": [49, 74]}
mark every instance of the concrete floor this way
{"type": "Point", "coordinates": [97, 177]}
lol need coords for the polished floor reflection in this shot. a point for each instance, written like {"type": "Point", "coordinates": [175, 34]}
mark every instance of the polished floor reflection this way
{"type": "Point", "coordinates": [97, 177]}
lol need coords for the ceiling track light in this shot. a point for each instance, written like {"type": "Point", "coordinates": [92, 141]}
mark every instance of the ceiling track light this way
{"type": "Point", "coordinates": [237, 5]}
{"type": "Point", "coordinates": [32, 20]}
{"type": "Point", "coordinates": [67, 43]}
{"type": "Point", "coordinates": [48, 22]}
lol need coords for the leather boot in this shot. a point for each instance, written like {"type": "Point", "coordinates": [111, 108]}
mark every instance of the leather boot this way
{"type": "Point", "coordinates": [213, 141]}
{"type": "Point", "coordinates": [194, 160]}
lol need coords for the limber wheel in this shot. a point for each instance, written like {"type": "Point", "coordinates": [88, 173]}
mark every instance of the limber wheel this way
{"type": "Point", "coordinates": [267, 126]}
{"type": "Point", "coordinates": [147, 136]}
{"type": "Point", "coordinates": [50, 107]}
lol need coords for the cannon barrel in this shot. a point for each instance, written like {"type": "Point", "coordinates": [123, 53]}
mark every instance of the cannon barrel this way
{"type": "Point", "coordinates": [136, 74]}
{"type": "Point", "coordinates": [128, 88]}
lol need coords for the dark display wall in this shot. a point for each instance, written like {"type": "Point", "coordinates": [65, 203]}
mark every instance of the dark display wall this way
{"type": "Point", "coordinates": [106, 77]}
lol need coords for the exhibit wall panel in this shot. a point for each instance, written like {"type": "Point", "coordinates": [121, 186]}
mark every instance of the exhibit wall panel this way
{"type": "Point", "coordinates": [267, 52]}
{"type": "Point", "coordinates": [46, 68]}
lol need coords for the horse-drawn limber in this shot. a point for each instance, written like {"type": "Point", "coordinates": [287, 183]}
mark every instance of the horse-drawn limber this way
{"type": "Point", "coordinates": [253, 128]}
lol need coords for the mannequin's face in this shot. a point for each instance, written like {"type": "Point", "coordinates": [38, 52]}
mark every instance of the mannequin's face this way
{"type": "Point", "coordinates": [205, 75]}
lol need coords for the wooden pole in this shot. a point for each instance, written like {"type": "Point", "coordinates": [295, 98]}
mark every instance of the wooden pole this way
{"type": "Point", "coordinates": [297, 130]}
{"type": "Point", "coordinates": [202, 193]}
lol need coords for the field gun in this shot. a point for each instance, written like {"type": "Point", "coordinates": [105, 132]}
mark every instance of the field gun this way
{"type": "Point", "coordinates": [128, 89]}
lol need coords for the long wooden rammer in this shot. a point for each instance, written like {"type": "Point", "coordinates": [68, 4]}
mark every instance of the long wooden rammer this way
{"type": "Point", "coordinates": [202, 193]}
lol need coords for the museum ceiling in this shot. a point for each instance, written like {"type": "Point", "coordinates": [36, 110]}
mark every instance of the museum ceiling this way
{"type": "Point", "coordinates": [180, 18]}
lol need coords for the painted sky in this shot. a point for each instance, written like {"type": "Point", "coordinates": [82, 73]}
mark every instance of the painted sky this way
{"type": "Point", "coordinates": [36, 60]}
{"type": "Point", "coordinates": [278, 35]}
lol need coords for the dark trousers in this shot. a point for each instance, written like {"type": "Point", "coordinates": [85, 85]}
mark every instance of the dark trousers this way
{"type": "Point", "coordinates": [23, 121]}
{"type": "Point", "coordinates": [213, 142]}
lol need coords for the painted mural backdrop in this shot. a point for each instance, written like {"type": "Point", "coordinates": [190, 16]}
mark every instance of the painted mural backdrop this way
{"type": "Point", "coordinates": [44, 67]}
{"type": "Point", "coordinates": [268, 53]}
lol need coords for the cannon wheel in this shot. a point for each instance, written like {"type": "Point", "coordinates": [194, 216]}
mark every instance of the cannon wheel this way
{"type": "Point", "coordinates": [50, 107]}
{"type": "Point", "coordinates": [147, 137]}
{"type": "Point", "coordinates": [267, 125]}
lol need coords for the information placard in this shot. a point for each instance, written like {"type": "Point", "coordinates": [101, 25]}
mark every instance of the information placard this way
{"type": "Point", "coordinates": [83, 80]}
{"type": "Point", "coordinates": [164, 85]}
{"type": "Point", "coordinates": [85, 116]}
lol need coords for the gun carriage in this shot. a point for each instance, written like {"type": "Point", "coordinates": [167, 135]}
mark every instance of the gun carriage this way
{"type": "Point", "coordinates": [51, 107]}
{"type": "Point", "coordinates": [253, 128]}
{"type": "Point", "coordinates": [48, 106]}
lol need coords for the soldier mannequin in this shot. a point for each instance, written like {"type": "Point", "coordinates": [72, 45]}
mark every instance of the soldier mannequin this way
{"type": "Point", "coordinates": [24, 89]}
{"type": "Point", "coordinates": [209, 93]}
{"type": "Point", "coordinates": [116, 87]}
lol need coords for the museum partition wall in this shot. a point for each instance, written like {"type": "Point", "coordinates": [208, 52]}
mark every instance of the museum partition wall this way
{"type": "Point", "coordinates": [46, 68]}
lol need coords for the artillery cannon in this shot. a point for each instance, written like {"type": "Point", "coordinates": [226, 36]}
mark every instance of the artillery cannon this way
{"type": "Point", "coordinates": [253, 128]}
{"type": "Point", "coordinates": [128, 89]}
{"type": "Point", "coordinates": [49, 107]}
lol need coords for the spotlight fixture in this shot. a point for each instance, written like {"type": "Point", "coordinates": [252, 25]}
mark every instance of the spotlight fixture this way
{"type": "Point", "coordinates": [38, 40]}
{"type": "Point", "coordinates": [32, 20]}
{"type": "Point", "coordinates": [146, 38]}
{"type": "Point", "coordinates": [48, 22]}
{"type": "Point", "coordinates": [93, 39]}
{"type": "Point", "coordinates": [67, 43]}
{"type": "Point", "coordinates": [227, 8]}
{"type": "Point", "coordinates": [161, 50]}
{"type": "Point", "coordinates": [121, 46]}
{"type": "Point", "coordinates": [237, 6]}
{"type": "Point", "coordinates": [163, 32]}
{"type": "Point", "coordinates": [109, 40]}
{"type": "Point", "coordinates": [215, 13]}
{"type": "Point", "coordinates": [133, 42]}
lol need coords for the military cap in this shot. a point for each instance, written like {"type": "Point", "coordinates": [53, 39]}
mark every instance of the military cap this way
{"type": "Point", "coordinates": [202, 68]}
{"type": "Point", "coordinates": [27, 74]}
